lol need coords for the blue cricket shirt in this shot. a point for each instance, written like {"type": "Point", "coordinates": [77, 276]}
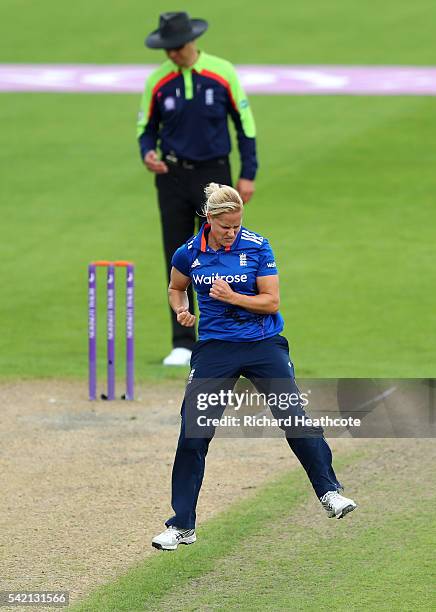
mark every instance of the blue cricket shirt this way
{"type": "Point", "coordinates": [249, 257]}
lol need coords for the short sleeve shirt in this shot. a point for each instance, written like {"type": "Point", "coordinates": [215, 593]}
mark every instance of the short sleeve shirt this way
{"type": "Point", "coordinates": [249, 257]}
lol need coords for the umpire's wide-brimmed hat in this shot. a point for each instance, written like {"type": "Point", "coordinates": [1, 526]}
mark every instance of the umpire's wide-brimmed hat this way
{"type": "Point", "coordinates": [175, 30]}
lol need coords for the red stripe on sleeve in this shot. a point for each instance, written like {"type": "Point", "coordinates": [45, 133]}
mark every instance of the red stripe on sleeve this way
{"type": "Point", "coordinates": [169, 77]}
{"type": "Point", "coordinates": [223, 82]}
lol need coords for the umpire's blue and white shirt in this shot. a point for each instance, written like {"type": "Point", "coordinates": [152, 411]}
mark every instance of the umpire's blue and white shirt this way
{"type": "Point", "coordinates": [249, 257]}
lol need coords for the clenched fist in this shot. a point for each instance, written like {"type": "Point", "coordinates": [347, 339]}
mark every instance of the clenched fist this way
{"type": "Point", "coordinates": [184, 317]}
{"type": "Point", "coordinates": [222, 291]}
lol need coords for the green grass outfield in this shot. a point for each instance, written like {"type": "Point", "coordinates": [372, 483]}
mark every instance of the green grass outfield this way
{"type": "Point", "coordinates": [247, 31]}
{"type": "Point", "coordinates": [345, 194]}
{"type": "Point", "coordinates": [345, 190]}
{"type": "Point", "coordinates": [277, 551]}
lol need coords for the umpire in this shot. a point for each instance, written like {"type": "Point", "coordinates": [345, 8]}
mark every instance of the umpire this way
{"type": "Point", "coordinates": [185, 108]}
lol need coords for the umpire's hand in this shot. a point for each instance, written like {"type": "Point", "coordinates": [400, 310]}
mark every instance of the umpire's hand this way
{"type": "Point", "coordinates": [246, 189]}
{"type": "Point", "coordinates": [154, 164]}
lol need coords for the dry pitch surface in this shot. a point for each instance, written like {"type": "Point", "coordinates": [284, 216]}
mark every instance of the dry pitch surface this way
{"type": "Point", "coordinates": [85, 486]}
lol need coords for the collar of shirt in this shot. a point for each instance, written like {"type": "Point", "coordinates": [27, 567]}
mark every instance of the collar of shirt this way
{"type": "Point", "coordinates": [198, 66]}
{"type": "Point", "coordinates": [186, 73]}
{"type": "Point", "coordinates": [200, 241]}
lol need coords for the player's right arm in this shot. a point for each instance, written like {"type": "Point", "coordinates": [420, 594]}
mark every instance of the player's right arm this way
{"type": "Point", "coordinates": [178, 297]}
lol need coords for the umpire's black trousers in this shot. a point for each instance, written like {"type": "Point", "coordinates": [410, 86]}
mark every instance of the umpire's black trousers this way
{"type": "Point", "coordinates": [181, 199]}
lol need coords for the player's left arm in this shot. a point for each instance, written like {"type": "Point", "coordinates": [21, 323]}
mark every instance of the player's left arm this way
{"type": "Point", "coordinates": [267, 301]}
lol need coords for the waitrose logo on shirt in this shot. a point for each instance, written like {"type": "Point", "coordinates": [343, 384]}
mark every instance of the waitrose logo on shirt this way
{"type": "Point", "coordinates": [201, 279]}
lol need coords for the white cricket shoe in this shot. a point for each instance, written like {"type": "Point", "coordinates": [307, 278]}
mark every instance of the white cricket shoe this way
{"type": "Point", "coordinates": [337, 505]}
{"type": "Point", "coordinates": [178, 357]}
{"type": "Point", "coordinates": [172, 537]}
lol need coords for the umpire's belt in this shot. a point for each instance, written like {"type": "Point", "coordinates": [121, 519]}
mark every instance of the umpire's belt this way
{"type": "Point", "coordinates": [190, 164]}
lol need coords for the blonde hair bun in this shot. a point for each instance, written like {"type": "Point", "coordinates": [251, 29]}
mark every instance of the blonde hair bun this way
{"type": "Point", "coordinates": [210, 189]}
{"type": "Point", "coordinates": [221, 199]}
